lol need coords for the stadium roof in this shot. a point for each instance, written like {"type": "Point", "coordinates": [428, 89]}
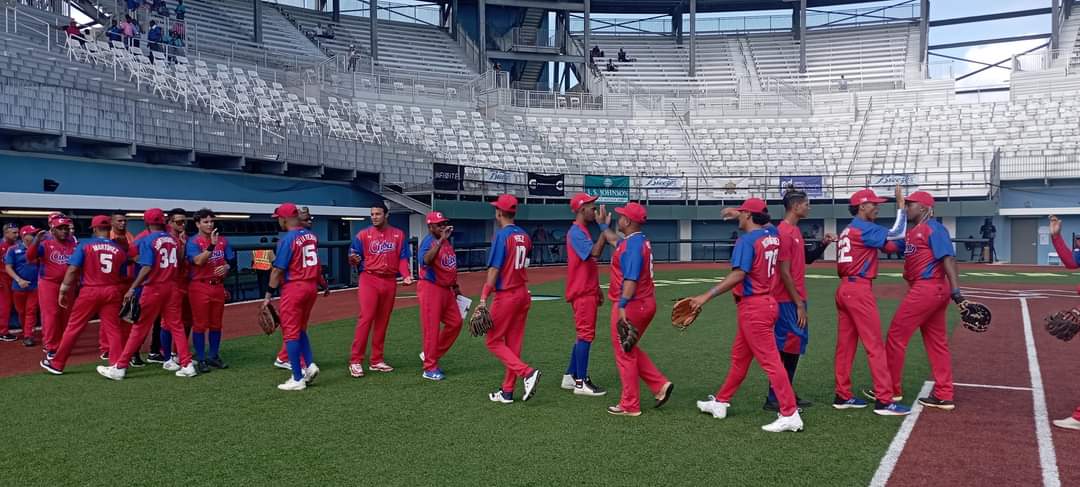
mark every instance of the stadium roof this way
{"type": "Point", "coordinates": [667, 6]}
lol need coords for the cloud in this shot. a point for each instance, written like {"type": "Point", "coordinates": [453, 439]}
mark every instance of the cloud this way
{"type": "Point", "coordinates": [992, 53]}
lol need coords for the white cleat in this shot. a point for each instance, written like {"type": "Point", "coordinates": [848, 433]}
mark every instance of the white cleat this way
{"type": "Point", "coordinates": [170, 365]}
{"type": "Point", "coordinates": [310, 373]}
{"type": "Point", "coordinates": [293, 385]}
{"type": "Point", "coordinates": [1069, 423]}
{"type": "Point", "coordinates": [568, 382]}
{"type": "Point", "coordinates": [785, 423]}
{"type": "Point", "coordinates": [188, 371]}
{"type": "Point", "coordinates": [716, 408]}
{"type": "Point", "coordinates": [587, 388]}
{"type": "Point", "coordinates": [421, 357]}
{"type": "Point", "coordinates": [355, 370]}
{"type": "Point", "coordinates": [283, 364]}
{"type": "Point", "coordinates": [530, 384]}
{"type": "Point", "coordinates": [111, 372]}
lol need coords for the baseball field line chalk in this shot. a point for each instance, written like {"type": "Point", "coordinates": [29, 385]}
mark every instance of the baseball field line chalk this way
{"type": "Point", "coordinates": [989, 386]}
{"type": "Point", "coordinates": [892, 455]}
{"type": "Point", "coordinates": [1047, 457]}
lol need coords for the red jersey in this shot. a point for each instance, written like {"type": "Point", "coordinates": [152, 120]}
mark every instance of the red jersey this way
{"type": "Point", "coordinates": [182, 265]}
{"type": "Point", "coordinates": [298, 255]}
{"type": "Point", "coordinates": [756, 254]}
{"type": "Point", "coordinates": [632, 261]}
{"type": "Point", "coordinates": [509, 254]}
{"type": "Point", "coordinates": [857, 249]}
{"type": "Point", "coordinates": [924, 246]}
{"type": "Point", "coordinates": [792, 250]}
{"type": "Point", "coordinates": [582, 272]}
{"type": "Point", "coordinates": [219, 256]}
{"type": "Point", "coordinates": [382, 252]}
{"type": "Point", "coordinates": [159, 251]}
{"type": "Point", "coordinates": [52, 256]}
{"type": "Point", "coordinates": [5, 279]}
{"type": "Point", "coordinates": [442, 272]}
{"type": "Point", "coordinates": [103, 262]}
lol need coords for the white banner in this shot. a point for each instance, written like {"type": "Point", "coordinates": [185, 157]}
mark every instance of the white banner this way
{"type": "Point", "coordinates": [724, 188]}
{"type": "Point", "coordinates": [660, 187]}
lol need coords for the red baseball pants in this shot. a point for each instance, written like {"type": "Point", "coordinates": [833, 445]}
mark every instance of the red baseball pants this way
{"type": "Point", "coordinates": [1076, 414]}
{"type": "Point", "coordinates": [207, 305]}
{"type": "Point", "coordinates": [103, 301]}
{"type": "Point", "coordinates": [756, 340]}
{"type": "Point", "coordinates": [505, 339]}
{"type": "Point", "coordinates": [297, 300]}
{"type": "Point", "coordinates": [635, 365]}
{"type": "Point", "coordinates": [376, 296]}
{"type": "Point", "coordinates": [585, 308]}
{"type": "Point", "coordinates": [156, 300]}
{"type": "Point", "coordinates": [858, 321]}
{"type": "Point", "coordinates": [5, 306]}
{"type": "Point", "coordinates": [922, 309]}
{"type": "Point", "coordinates": [53, 317]}
{"type": "Point", "coordinates": [26, 305]}
{"type": "Point", "coordinates": [437, 305]}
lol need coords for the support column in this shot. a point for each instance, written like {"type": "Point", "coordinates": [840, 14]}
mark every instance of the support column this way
{"type": "Point", "coordinates": [686, 232]}
{"type": "Point", "coordinates": [795, 21]}
{"type": "Point", "coordinates": [949, 222]}
{"type": "Point", "coordinates": [256, 21]}
{"type": "Point", "coordinates": [802, 36]}
{"type": "Point", "coordinates": [693, 38]}
{"type": "Point", "coordinates": [454, 19]}
{"type": "Point", "coordinates": [585, 73]}
{"type": "Point", "coordinates": [924, 29]}
{"type": "Point", "coordinates": [335, 15]}
{"type": "Point", "coordinates": [481, 41]}
{"type": "Point", "coordinates": [418, 230]}
{"type": "Point", "coordinates": [676, 27]}
{"type": "Point", "coordinates": [830, 227]}
{"type": "Point", "coordinates": [1055, 30]}
{"type": "Point", "coordinates": [374, 17]}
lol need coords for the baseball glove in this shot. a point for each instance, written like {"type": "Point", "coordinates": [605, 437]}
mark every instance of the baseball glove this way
{"type": "Point", "coordinates": [628, 335]}
{"type": "Point", "coordinates": [975, 316]}
{"type": "Point", "coordinates": [130, 310]}
{"type": "Point", "coordinates": [1064, 324]}
{"type": "Point", "coordinates": [480, 322]}
{"type": "Point", "coordinates": [682, 315]}
{"type": "Point", "coordinates": [268, 318]}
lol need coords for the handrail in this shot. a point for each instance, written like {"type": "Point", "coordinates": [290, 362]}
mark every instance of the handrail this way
{"type": "Point", "coordinates": [862, 128]}
{"type": "Point", "coordinates": [689, 141]}
{"type": "Point", "coordinates": [47, 27]}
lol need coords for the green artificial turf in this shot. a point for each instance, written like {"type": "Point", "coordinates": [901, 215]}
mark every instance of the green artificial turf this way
{"type": "Point", "coordinates": [233, 427]}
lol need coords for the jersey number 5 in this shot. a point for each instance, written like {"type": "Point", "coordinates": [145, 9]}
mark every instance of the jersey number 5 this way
{"type": "Point", "coordinates": [311, 256]}
{"type": "Point", "coordinates": [106, 263]}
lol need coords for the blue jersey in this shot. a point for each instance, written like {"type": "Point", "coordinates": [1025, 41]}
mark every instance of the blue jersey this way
{"type": "Point", "coordinates": [509, 254]}
{"type": "Point", "coordinates": [16, 258]}
{"type": "Point", "coordinates": [756, 253]}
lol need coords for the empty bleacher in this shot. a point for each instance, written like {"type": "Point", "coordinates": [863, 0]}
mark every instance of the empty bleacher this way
{"type": "Point", "coordinates": [224, 28]}
{"type": "Point", "coordinates": [661, 66]}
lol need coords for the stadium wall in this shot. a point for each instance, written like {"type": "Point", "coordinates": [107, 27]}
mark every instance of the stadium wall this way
{"type": "Point", "coordinates": [1026, 204]}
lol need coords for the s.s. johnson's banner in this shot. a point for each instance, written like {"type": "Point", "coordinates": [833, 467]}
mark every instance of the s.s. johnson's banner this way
{"type": "Point", "coordinates": [610, 189]}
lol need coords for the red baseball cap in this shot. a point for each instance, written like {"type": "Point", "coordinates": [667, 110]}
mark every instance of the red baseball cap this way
{"type": "Point", "coordinates": [154, 216]}
{"type": "Point", "coordinates": [581, 199]}
{"type": "Point", "coordinates": [59, 221]}
{"type": "Point", "coordinates": [101, 221]}
{"type": "Point", "coordinates": [436, 217]}
{"type": "Point", "coordinates": [634, 211]}
{"type": "Point", "coordinates": [506, 202]}
{"type": "Point", "coordinates": [754, 205]}
{"type": "Point", "coordinates": [921, 197]}
{"type": "Point", "coordinates": [27, 230]}
{"type": "Point", "coordinates": [866, 196]}
{"type": "Point", "coordinates": [286, 210]}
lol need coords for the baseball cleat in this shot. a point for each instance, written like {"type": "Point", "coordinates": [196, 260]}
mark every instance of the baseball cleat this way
{"type": "Point", "coordinates": [310, 373]}
{"type": "Point", "coordinates": [785, 423]}
{"type": "Point", "coordinates": [869, 393]}
{"type": "Point", "coordinates": [568, 382]}
{"type": "Point", "coordinates": [501, 397]}
{"type": "Point", "coordinates": [217, 363]}
{"type": "Point", "coordinates": [421, 357]}
{"type": "Point", "coordinates": [619, 411]}
{"type": "Point", "coordinates": [803, 403]}
{"type": "Point", "coordinates": [8, 337]}
{"type": "Point", "coordinates": [771, 406]}
{"type": "Point", "coordinates": [188, 371]}
{"type": "Point", "coordinates": [381, 367]}
{"type": "Point", "coordinates": [853, 403]}
{"type": "Point", "coordinates": [293, 385]}
{"type": "Point", "coordinates": [1069, 423]}
{"type": "Point", "coordinates": [48, 366]}
{"type": "Point", "coordinates": [202, 367]}
{"type": "Point", "coordinates": [356, 370]}
{"type": "Point", "coordinates": [111, 372]}
{"type": "Point", "coordinates": [435, 375]}
{"type": "Point", "coordinates": [282, 364]}
{"type": "Point", "coordinates": [587, 388]}
{"type": "Point", "coordinates": [50, 355]}
{"type": "Point", "coordinates": [891, 409]}
{"type": "Point", "coordinates": [28, 342]}
{"type": "Point", "coordinates": [136, 361]}
{"type": "Point", "coordinates": [155, 358]}
{"type": "Point", "coordinates": [933, 402]}
{"type": "Point", "coordinates": [530, 384]}
{"type": "Point", "coordinates": [104, 357]}
{"type": "Point", "coordinates": [171, 366]}
{"type": "Point", "coordinates": [665, 394]}
{"type": "Point", "coordinates": [711, 406]}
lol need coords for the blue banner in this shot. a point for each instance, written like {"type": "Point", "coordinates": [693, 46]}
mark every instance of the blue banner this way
{"type": "Point", "coordinates": [812, 185]}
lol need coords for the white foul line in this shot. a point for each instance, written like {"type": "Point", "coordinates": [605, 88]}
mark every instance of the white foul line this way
{"type": "Point", "coordinates": [1047, 458]}
{"type": "Point", "coordinates": [888, 462]}
{"type": "Point", "coordinates": [988, 386]}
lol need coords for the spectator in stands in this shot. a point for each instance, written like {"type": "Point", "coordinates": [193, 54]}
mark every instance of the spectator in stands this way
{"type": "Point", "coordinates": [178, 29]}
{"type": "Point", "coordinates": [127, 27]}
{"type": "Point", "coordinates": [497, 68]}
{"type": "Point", "coordinates": [623, 58]}
{"type": "Point", "coordinates": [72, 30]}
{"type": "Point", "coordinates": [329, 32]}
{"type": "Point", "coordinates": [842, 83]}
{"type": "Point", "coordinates": [114, 33]}
{"type": "Point", "coordinates": [989, 233]}
{"type": "Point", "coordinates": [159, 7]}
{"type": "Point", "coordinates": [611, 67]}
{"type": "Point", "coordinates": [132, 5]}
{"type": "Point", "coordinates": [136, 30]}
{"type": "Point", "coordinates": [181, 10]}
{"type": "Point", "coordinates": [318, 30]}
{"type": "Point", "coordinates": [354, 55]}
{"type": "Point", "coordinates": [154, 36]}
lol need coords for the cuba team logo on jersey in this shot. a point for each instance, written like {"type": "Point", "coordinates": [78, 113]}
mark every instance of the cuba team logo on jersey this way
{"type": "Point", "coordinates": [449, 261]}
{"type": "Point", "coordinates": [377, 247]}
{"type": "Point", "coordinates": [910, 249]}
{"type": "Point", "coordinates": [58, 258]}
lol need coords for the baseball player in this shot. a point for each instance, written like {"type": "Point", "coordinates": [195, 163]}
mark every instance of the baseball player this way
{"type": "Point", "coordinates": [296, 272]}
{"type": "Point", "coordinates": [930, 270]}
{"type": "Point", "coordinates": [752, 280]}
{"type": "Point", "coordinates": [583, 290]}
{"type": "Point", "coordinates": [282, 359]}
{"type": "Point", "coordinates": [101, 263]}
{"type": "Point", "coordinates": [161, 338]}
{"type": "Point", "coordinates": [51, 256]}
{"type": "Point", "coordinates": [159, 259]}
{"type": "Point", "coordinates": [119, 233]}
{"type": "Point", "coordinates": [856, 307]}
{"type": "Point", "coordinates": [792, 333]}
{"type": "Point", "coordinates": [507, 277]}
{"type": "Point", "coordinates": [438, 291]}
{"type": "Point", "coordinates": [632, 292]}
{"type": "Point", "coordinates": [10, 239]}
{"type": "Point", "coordinates": [1070, 258]}
{"type": "Point", "coordinates": [380, 253]}
{"type": "Point", "coordinates": [208, 254]}
{"type": "Point", "coordinates": [24, 275]}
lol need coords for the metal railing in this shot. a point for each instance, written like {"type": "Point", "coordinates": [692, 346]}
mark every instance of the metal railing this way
{"type": "Point", "coordinates": [1042, 60]}
{"type": "Point", "coordinates": [1023, 165]}
{"type": "Point", "coordinates": [32, 26]}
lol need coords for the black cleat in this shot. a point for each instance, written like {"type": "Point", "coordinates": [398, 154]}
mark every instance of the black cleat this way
{"type": "Point", "coordinates": [202, 367]}
{"type": "Point", "coordinates": [104, 357]}
{"type": "Point", "coordinates": [8, 337]}
{"type": "Point", "coordinates": [771, 406]}
{"type": "Point", "coordinates": [217, 363]}
{"type": "Point", "coordinates": [803, 403]}
{"type": "Point", "coordinates": [137, 361]}
{"type": "Point", "coordinates": [28, 342]}
{"type": "Point", "coordinates": [933, 402]}
{"type": "Point", "coordinates": [155, 358]}
{"type": "Point", "coordinates": [665, 395]}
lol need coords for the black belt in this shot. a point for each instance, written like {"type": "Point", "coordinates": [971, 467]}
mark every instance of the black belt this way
{"type": "Point", "coordinates": [212, 282]}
